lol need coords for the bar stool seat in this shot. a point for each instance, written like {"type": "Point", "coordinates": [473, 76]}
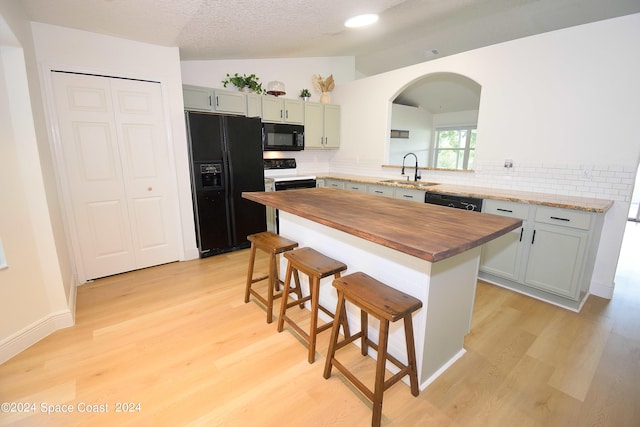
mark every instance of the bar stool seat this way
{"type": "Point", "coordinates": [387, 305]}
{"type": "Point", "coordinates": [272, 244]}
{"type": "Point", "coordinates": [316, 266]}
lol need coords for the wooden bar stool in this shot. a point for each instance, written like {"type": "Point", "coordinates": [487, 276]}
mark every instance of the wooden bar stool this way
{"type": "Point", "coordinates": [387, 305]}
{"type": "Point", "coordinates": [317, 266]}
{"type": "Point", "coordinates": [272, 244]}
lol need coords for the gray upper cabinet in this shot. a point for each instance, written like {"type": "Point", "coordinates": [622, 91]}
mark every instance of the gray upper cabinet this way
{"type": "Point", "coordinates": [197, 98]}
{"type": "Point", "coordinates": [279, 110]}
{"type": "Point", "coordinates": [221, 101]}
{"type": "Point", "coordinates": [321, 125]}
{"type": "Point", "coordinates": [229, 102]}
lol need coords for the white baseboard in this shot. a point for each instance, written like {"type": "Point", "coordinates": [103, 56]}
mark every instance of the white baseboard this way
{"type": "Point", "coordinates": [33, 333]}
{"type": "Point", "coordinates": [443, 368]}
{"type": "Point", "coordinates": [600, 290]}
{"type": "Point", "coordinates": [191, 254]}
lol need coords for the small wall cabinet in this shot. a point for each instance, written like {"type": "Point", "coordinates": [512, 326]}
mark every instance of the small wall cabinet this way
{"type": "Point", "coordinates": [321, 125]}
{"type": "Point", "coordinates": [207, 99]}
{"type": "Point", "coordinates": [279, 110]}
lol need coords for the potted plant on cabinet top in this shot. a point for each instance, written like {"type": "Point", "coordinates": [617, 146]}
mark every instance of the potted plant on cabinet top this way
{"type": "Point", "coordinates": [305, 94]}
{"type": "Point", "coordinates": [244, 83]}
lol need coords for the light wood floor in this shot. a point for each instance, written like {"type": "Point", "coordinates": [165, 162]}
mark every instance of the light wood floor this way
{"type": "Point", "coordinates": [178, 340]}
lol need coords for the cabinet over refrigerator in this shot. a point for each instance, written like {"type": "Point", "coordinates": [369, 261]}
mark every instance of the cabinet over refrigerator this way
{"type": "Point", "coordinates": [225, 153]}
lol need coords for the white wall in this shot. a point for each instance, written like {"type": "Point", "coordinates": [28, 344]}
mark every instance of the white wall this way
{"type": "Point", "coordinates": [36, 297]}
{"type": "Point", "coordinates": [563, 105]}
{"type": "Point", "coordinates": [295, 73]}
{"type": "Point", "coordinates": [418, 122]}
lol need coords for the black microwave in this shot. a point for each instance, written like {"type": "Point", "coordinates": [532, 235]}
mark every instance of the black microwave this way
{"type": "Point", "coordinates": [282, 137]}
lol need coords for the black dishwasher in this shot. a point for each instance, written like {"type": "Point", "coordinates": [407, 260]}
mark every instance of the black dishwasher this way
{"type": "Point", "coordinates": [454, 201]}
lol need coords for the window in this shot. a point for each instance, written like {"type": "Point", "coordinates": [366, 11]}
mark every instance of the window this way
{"type": "Point", "coordinates": [455, 147]}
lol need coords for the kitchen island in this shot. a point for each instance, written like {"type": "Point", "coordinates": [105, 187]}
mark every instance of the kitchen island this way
{"type": "Point", "coordinates": [430, 252]}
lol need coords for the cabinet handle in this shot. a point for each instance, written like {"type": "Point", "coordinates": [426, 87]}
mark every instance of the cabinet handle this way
{"type": "Point", "coordinates": [286, 114]}
{"type": "Point", "coordinates": [281, 115]}
{"type": "Point", "coordinates": [534, 237]}
{"type": "Point", "coordinates": [210, 104]}
{"type": "Point", "coordinates": [505, 210]}
{"type": "Point", "coordinates": [521, 233]}
{"type": "Point", "coordinates": [377, 191]}
{"type": "Point", "coordinates": [560, 219]}
{"type": "Point", "coordinates": [217, 102]}
{"type": "Point", "coordinates": [408, 196]}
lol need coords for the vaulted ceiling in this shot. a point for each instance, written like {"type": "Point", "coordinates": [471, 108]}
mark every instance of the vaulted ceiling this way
{"type": "Point", "coordinates": [408, 32]}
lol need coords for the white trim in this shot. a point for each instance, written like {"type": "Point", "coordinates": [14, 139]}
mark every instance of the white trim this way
{"type": "Point", "coordinates": [33, 333]}
{"type": "Point", "coordinates": [443, 368]}
{"type": "Point", "coordinates": [601, 290]}
{"type": "Point", "coordinates": [51, 120]}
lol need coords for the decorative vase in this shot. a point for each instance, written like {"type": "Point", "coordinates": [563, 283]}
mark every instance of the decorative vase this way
{"type": "Point", "coordinates": [246, 89]}
{"type": "Point", "coordinates": [305, 98]}
{"type": "Point", "coordinates": [324, 98]}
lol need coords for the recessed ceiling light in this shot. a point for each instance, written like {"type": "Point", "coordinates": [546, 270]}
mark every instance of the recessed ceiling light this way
{"type": "Point", "coordinates": [361, 20]}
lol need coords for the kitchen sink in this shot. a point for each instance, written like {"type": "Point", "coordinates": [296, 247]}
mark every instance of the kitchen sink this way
{"type": "Point", "coordinates": [411, 183]}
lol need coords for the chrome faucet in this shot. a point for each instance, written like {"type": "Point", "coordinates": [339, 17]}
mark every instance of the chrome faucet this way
{"type": "Point", "coordinates": [416, 176]}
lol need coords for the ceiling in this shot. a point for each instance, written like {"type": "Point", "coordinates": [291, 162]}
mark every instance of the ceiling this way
{"type": "Point", "coordinates": [408, 32]}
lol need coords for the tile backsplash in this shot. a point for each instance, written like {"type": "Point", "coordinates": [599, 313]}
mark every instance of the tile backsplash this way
{"type": "Point", "coordinates": [612, 182]}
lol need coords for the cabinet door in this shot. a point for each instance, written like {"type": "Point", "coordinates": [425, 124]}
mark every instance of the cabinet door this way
{"type": "Point", "coordinates": [331, 126]}
{"type": "Point", "coordinates": [503, 256]}
{"type": "Point", "coordinates": [272, 109]}
{"type": "Point", "coordinates": [196, 98]}
{"type": "Point", "coordinates": [229, 102]}
{"type": "Point", "coordinates": [555, 259]}
{"type": "Point", "coordinates": [293, 111]}
{"type": "Point", "coordinates": [254, 105]}
{"type": "Point", "coordinates": [313, 125]}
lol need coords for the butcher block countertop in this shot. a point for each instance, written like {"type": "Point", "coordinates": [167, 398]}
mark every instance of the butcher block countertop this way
{"type": "Point", "coordinates": [587, 204]}
{"type": "Point", "coordinates": [429, 232]}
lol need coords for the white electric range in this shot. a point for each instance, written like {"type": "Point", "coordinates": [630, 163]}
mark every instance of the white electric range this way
{"type": "Point", "coordinates": [285, 175]}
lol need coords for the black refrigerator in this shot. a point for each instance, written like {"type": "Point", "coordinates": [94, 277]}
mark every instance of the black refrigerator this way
{"type": "Point", "coordinates": [226, 159]}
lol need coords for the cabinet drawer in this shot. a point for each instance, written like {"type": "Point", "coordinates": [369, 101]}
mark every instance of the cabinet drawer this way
{"type": "Point", "coordinates": [564, 217]}
{"type": "Point", "coordinates": [334, 183]}
{"type": "Point", "coordinates": [355, 186]}
{"type": "Point", "coordinates": [380, 190]}
{"type": "Point", "coordinates": [510, 209]}
{"type": "Point", "coordinates": [408, 194]}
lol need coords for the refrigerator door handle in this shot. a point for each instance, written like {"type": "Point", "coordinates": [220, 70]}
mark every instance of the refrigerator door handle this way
{"type": "Point", "coordinates": [231, 212]}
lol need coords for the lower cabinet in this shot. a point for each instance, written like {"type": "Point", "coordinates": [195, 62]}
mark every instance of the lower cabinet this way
{"type": "Point", "coordinates": [355, 186]}
{"type": "Point", "coordinates": [334, 183]}
{"type": "Point", "coordinates": [503, 256]}
{"type": "Point", "coordinates": [550, 257]}
{"type": "Point", "coordinates": [380, 190]}
{"type": "Point", "coordinates": [409, 194]}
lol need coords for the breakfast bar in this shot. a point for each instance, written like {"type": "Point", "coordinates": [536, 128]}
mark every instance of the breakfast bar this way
{"type": "Point", "coordinates": [427, 251]}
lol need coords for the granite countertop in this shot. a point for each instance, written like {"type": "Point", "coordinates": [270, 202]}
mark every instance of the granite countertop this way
{"type": "Point", "coordinates": [429, 232]}
{"type": "Point", "coordinates": [532, 198]}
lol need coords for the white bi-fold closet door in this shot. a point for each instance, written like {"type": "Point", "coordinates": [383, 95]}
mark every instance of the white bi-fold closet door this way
{"type": "Point", "coordinates": [115, 175]}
